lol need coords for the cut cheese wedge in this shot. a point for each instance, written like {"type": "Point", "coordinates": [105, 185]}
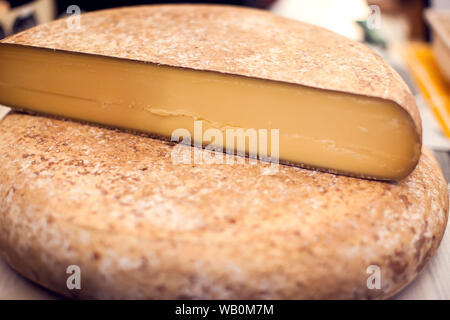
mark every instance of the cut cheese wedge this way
{"type": "Point", "coordinates": [333, 104]}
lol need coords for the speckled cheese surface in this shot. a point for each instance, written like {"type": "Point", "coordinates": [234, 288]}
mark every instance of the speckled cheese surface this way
{"type": "Point", "coordinates": [140, 226]}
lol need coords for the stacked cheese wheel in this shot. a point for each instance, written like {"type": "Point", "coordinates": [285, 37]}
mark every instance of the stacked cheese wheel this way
{"type": "Point", "coordinates": [372, 202]}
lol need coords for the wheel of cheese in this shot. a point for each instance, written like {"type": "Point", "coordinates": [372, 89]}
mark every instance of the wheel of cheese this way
{"type": "Point", "coordinates": [114, 210]}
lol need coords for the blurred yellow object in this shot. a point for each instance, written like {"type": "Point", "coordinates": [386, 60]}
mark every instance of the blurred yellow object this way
{"type": "Point", "coordinates": [429, 79]}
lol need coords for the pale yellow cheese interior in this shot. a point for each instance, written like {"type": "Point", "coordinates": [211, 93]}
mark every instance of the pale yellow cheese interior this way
{"type": "Point", "coordinates": [341, 132]}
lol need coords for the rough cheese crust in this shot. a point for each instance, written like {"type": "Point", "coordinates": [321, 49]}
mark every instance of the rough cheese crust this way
{"type": "Point", "coordinates": [233, 40]}
{"type": "Point", "coordinates": [139, 226]}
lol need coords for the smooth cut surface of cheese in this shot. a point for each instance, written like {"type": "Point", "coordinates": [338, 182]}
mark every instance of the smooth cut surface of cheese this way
{"type": "Point", "coordinates": [342, 132]}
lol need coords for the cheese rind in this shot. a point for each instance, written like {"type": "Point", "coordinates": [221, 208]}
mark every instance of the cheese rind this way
{"type": "Point", "coordinates": [341, 132]}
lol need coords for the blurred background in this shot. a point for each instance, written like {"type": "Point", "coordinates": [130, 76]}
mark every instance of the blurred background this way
{"type": "Point", "coordinates": [412, 35]}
